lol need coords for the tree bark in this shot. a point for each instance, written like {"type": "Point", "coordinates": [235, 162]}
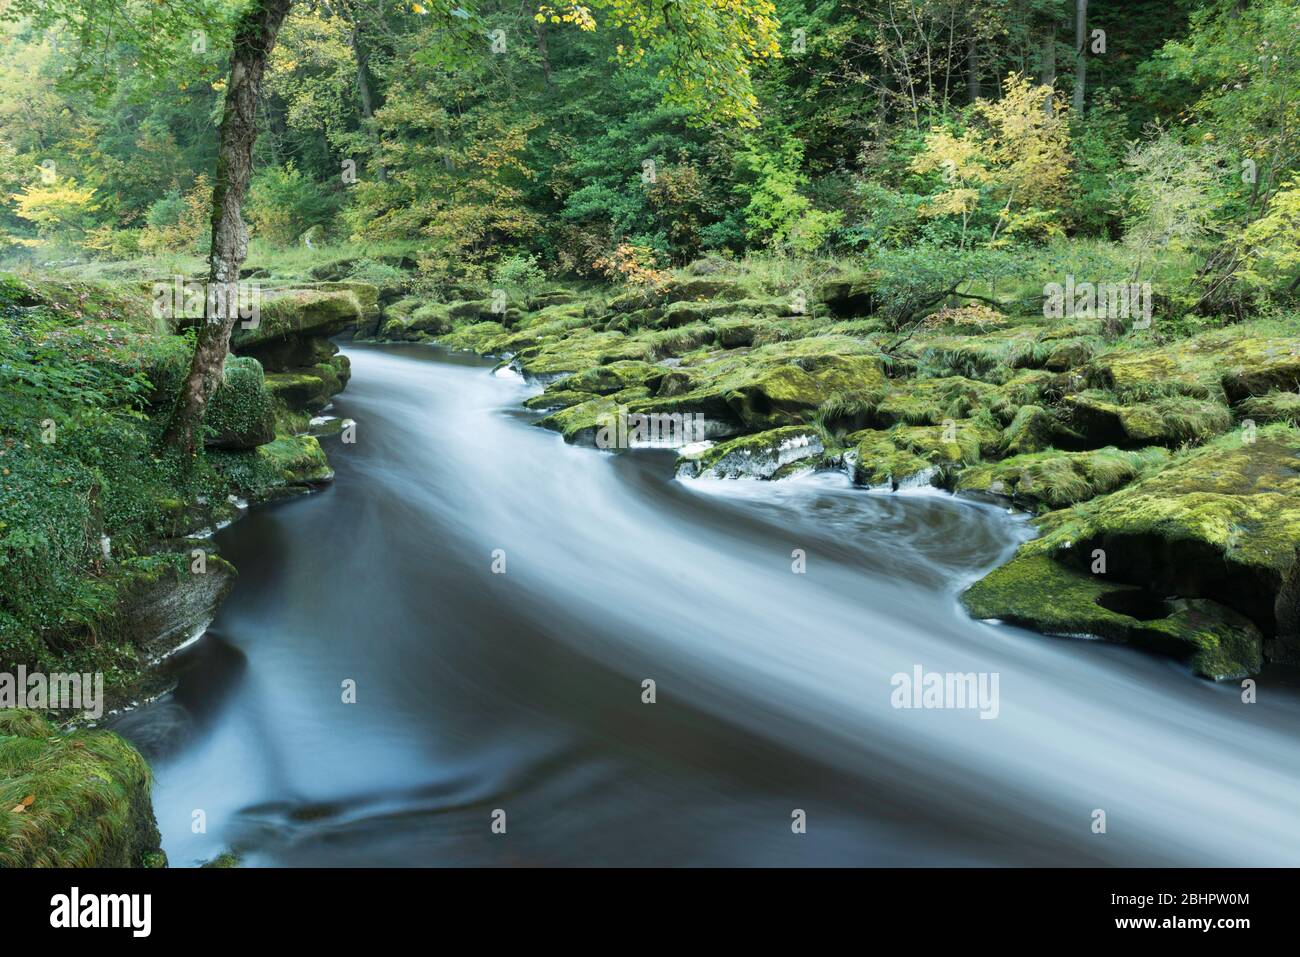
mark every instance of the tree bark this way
{"type": "Point", "coordinates": [1080, 55]}
{"type": "Point", "coordinates": [1048, 66]}
{"type": "Point", "coordinates": [972, 68]}
{"type": "Point", "coordinates": [364, 89]}
{"type": "Point", "coordinates": [540, 30]}
{"type": "Point", "coordinates": [254, 40]}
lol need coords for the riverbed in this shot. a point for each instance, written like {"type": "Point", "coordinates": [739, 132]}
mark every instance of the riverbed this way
{"type": "Point", "coordinates": [499, 600]}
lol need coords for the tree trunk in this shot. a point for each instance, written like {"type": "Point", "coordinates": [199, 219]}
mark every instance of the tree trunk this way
{"type": "Point", "coordinates": [972, 68]}
{"type": "Point", "coordinates": [1048, 66]}
{"type": "Point", "coordinates": [254, 39]}
{"type": "Point", "coordinates": [364, 90]}
{"type": "Point", "coordinates": [540, 30]}
{"type": "Point", "coordinates": [1080, 54]}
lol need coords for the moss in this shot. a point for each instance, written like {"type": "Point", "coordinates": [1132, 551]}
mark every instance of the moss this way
{"type": "Point", "coordinates": [560, 398]}
{"type": "Point", "coordinates": [931, 401]}
{"type": "Point", "coordinates": [286, 466]}
{"type": "Point", "coordinates": [480, 337]}
{"type": "Point", "coordinates": [85, 798]}
{"type": "Point", "coordinates": [616, 376]}
{"type": "Point", "coordinates": [1221, 522]}
{"type": "Point", "coordinates": [316, 312]}
{"type": "Point", "coordinates": [1237, 362]}
{"type": "Point", "coordinates": [296, 460]}
{"type": "Point", "coordinates": [1053, 479]}
{"type": "Point", "coordinates": [1040, 593]}
{"type": "Point", "coordinates": [241, 414]}
{"type": "Point", "coordinates": [1169, 420]}
{"type": "Point", "coordinates": [906, 455]}
{"type": "Point", "coordinates": [580, 423]}
{"type": "Point", "coordinates": [1032, 430]}
{"type": "Point", "coordinates": [421, 322]}
{"type": "Point", "coordinates": [1272, 407]}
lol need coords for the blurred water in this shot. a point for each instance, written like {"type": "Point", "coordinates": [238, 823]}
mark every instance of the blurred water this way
{"type": "Point", "coordinates": [522, 691]}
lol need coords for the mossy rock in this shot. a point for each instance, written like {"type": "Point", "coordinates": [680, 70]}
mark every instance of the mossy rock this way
{"type": "Point", "coordinates": [705, 287]}
{"type": "Point", "coordinates": [1032, 430]}
{"type": "Point", "coordinates": [288, 466]}
{"type": "Point", "coordinates": [1237, 362]}
{"type": "Point", "coordinates": [296, 460]}
{"type": "Point", "coordinates": [162, 605]}
{"type": "Point", "coordinates": [913, 455]}
{"type": "Point", "coordinates": [1052, 479]}
{"type": "Point", "coordinates": [299, 312]}
{"type": "Point", "coordinates": [769, 396]}
{"type": "Point", "coordinates": [1271, 407]}
{"type": "Point", "coordinates": [557, 398]}
{"type": "Point", "coordinates": [481, 337]}
{"type": "Point", "coordinates": [759, 456]}
{"type": "Point", "coordinates": [685, 312]}
{"type": "Point", "coordinates": [617, 376]}
{"type": "Point", "coordinates": [1221, 523]}
{"type": "Point", "coordinates": [932, 401]}
{"type": "Point", "coordinates": [241, 414]}
{"type": "Point", "coordinates": [422, 322]}
{"type": "Point", "coordinates": [581, 423]}
{"type": "Point", "coordinates": [84, 798]}
{"type": "Point", "coordinates": [299, 390]}
{"type": "Point", "coordinates": [1035, 591]}
{"type": "Point", "coordinates": [1168, 420]}
{"type": "Point", "coordinates": [848, 297]}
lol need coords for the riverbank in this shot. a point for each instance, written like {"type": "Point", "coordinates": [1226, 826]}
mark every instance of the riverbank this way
{"type": "Point", "coordinates": [1160, 459]}
{"type": "Point", "coordinates": [107, 564]}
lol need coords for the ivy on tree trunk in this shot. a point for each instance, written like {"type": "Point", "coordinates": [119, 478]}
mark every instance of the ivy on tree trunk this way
{"type": "Point", "coordinates": [254, 40]}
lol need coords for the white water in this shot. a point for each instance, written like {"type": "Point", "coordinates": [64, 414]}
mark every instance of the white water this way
{"type": "Point", "coordinates": [522, 691]}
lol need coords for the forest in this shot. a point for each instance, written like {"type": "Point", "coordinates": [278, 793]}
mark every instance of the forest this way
{"type": "Point", "coordinates": [1041, 256]}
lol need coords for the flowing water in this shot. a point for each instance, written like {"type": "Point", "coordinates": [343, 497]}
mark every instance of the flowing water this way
{"type": "Point", "coordinates": [521, 691]}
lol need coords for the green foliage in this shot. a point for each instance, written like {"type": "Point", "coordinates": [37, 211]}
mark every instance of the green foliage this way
{"type": "Point", "coordinates": [284, 203]}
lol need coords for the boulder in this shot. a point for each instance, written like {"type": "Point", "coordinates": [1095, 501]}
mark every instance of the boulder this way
{"type": "Point", "coordinates": [241, 414]}
{"type": "Point", "coordinates": [1035, 591]}
{"type": "Point", "coordinates": [759, 456]}
{"type": "Point", "coordinates": [85, 798]}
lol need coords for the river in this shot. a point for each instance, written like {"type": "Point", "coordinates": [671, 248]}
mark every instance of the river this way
{"type": "Point", "coordinates": [498, 598]}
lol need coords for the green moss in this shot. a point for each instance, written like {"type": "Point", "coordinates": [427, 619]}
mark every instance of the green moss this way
{"type": "Point", "coordinates": [1169, 420]}
{"type": "Point", "coordinates": [580, 423]}
{"type": "Point", "coordinates": [1243, 360]}
{"type": "Point", "coordinates": [85, 797]}
{"type": "Point", "coordinates": [1272, 407]}
{"type": "Point", "coordinates": [1221, 522]}
{"type": "Point", "coordinates": [317, 312]}
{"type": "Point", "coordinates": [1053, 479]}
{"type": "Point", "coordinates": [1037, 592]}
{"type": "Point", "coordinates": [908, 454]}
{"type": "Point", "coordinates": [241, 414]}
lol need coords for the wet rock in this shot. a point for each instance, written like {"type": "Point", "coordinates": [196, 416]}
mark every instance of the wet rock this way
{"type": "Point", "coordinates": [758, 456]}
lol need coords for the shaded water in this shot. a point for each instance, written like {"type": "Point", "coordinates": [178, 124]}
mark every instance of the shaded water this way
{"type": "Point", "coordinates": [522, 691]}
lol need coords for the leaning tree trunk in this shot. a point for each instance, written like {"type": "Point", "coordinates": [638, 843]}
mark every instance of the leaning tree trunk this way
{"type": "Point", "coordinates": [254, 39]}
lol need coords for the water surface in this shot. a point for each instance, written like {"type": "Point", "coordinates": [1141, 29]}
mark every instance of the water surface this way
{"type": "Point", "coordinates": [522, 691]}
